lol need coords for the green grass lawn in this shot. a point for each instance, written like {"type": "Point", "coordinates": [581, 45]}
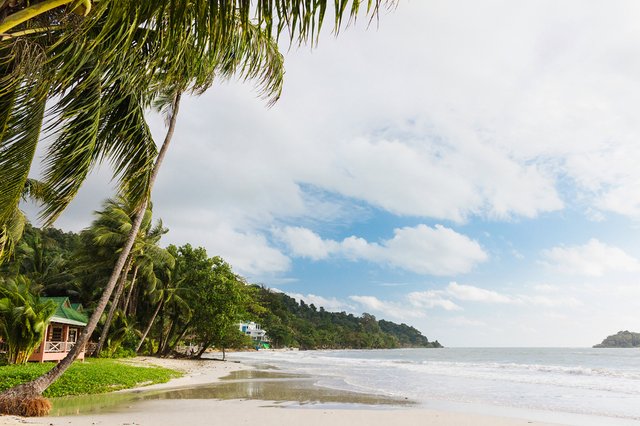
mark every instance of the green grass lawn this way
{"type": "Point", "coordinates": [89, 377]}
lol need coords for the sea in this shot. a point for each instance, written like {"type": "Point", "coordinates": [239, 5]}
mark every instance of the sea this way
{"type": "Point", "coordinates": [581, 386]}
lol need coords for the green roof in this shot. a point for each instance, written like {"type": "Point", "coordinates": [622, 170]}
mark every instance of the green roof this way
{"type": "Point", "coordinates": [65, 313]}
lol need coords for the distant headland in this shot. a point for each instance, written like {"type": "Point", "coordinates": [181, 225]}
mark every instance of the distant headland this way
{"type": "Point", "coordinates": [622, 339]}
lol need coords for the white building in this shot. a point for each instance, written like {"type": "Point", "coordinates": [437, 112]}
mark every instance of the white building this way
{"type": "Point", "coordinates": [254, 331]}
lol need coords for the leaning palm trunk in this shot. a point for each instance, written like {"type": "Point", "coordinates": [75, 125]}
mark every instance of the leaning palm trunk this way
{"type": "Point", "coordinates": [114, 306]}
{"type": "Point", "coordinates": [26, 399]}
{"type": "Point", "coordinates": [125, 306]}
{"type": "Point", "coordinates": [151, 321]}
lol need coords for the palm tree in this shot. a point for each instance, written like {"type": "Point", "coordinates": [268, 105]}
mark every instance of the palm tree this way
{"type": "Point", "coordinates": [166, 290]}
{"type": "Point", "coordinates": [265, 54]}
{"type": "Point", "coordinates": [110, 230]}
{"type": "Point", "coordinates": [105, 71]}
{"type": "Point", "coordinates": [23, 318]}
{"type": "Point", "coordinates": [148, 255]}
{"type": "Point", "coordinates": [97, 72]}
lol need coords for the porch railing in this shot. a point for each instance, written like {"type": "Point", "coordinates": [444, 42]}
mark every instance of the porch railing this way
{"type": "Point", "coordinates": [58, 346]}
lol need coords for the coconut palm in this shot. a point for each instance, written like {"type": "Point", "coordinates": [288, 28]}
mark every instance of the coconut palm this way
{"type": "Point", "coordinates": [23, 318]}
{"type": "Point", "coordinates": [97, 71]}
{"type": "Point", "coordinates": [104, 71]}
{"type": "Point", "coordinates": [110, 230]}
{"type": "Point", "coordinates": [264, 54]}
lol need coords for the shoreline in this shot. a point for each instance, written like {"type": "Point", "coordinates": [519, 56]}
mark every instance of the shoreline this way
{"type": "Point", "coordinates": [244, 411]}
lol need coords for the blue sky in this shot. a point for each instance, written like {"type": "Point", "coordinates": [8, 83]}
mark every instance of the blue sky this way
{"type": "Point", "coordinates": [469, 169]}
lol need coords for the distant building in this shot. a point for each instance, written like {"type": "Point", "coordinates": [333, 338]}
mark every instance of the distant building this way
{"type": "Point", "coordinates": [253, 330]}
{"type": "Point", "coordinates": [62, 332]}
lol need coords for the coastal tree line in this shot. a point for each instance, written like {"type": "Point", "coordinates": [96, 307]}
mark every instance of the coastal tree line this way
{"type": "Point", "coordinates": [169, 297]}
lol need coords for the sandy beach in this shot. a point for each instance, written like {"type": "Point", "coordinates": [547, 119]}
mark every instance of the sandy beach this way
{"type": "Point", "coordinates": [243, 412]}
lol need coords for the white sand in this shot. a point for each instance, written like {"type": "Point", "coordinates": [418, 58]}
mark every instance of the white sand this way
{"type": "Point", "coordinates": [185, 412]}
{"type": "Point", "coordinates": [197, 371]}
{"type": "Point", "coordinates": [234, 412]}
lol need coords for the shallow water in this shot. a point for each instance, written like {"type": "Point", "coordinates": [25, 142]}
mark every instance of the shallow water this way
{"type": "Point", "coordinates": [585, 381]}
{"type": "Point", "coordinates": [268, 385]}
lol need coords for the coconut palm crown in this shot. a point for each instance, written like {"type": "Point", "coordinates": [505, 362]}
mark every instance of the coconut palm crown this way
{"type": "Point", "coordinates": [100, 72]}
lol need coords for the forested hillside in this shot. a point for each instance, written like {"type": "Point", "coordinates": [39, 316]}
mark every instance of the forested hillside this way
{"type": "Point", "coordinates": [622, 339]}
{"type": "Point", "coordinates": [176, 296]}
{"type": "Point", "coordinates": [292, 324]}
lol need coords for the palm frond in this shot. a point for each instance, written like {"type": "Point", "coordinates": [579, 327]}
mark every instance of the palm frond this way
{"type": "Point", "coordinates": [71, 156]}
{"type": "Point", "coordinates": [23, 88]}
{"type": "Point", "coordinates": [10, 233]}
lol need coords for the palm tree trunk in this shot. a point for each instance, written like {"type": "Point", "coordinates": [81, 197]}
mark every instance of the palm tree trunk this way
{"type": "Point", "coordinates": [35, 388]}
{"type": "Point", "coordinates": [153, 318]}
{"type": "Point", "coordinates": [133, 304]}
{"type": "Point", "coordinates": [180, 336]}
{"type": "Point", "coordinates": [133, 283]}
{"type": "Point", "coordinates": [161, 336]}
{"type": "Point", "coordinates": [166, 347]}
{"type": "Point", "coordinates": [114, 306]}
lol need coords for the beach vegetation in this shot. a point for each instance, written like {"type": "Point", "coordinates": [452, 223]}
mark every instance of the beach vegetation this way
{"type": "Point", "coordinates": [23, 318]}
{"type": "Point", "coordinates": [93, 376]}
{"type": "Point", "coordinates": [292, 323]}
{"type": "Point", "coordinates": [622, 339]}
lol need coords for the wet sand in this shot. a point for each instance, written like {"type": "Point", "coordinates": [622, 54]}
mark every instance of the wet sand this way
{"type": "Point", "coordinates": [233, 394]}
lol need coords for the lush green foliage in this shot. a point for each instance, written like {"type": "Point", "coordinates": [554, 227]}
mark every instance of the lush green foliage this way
{"type": "Point", "coordinates": [23, 318]}
{"type": "Point", "coordinates": [210, 300]}
{"type": "Point", "coordinates": [622, 339]}
{"type": "Point", "coordinates": [293, 324]}
{"type": "Point", "coordinates": [89, 377]}
{"type": "Point", "coordinates": [44, 256]}
{"type": "Point", "coordinates": [407, 336]}
{"type": "Point", "coordinates": [181, 296]}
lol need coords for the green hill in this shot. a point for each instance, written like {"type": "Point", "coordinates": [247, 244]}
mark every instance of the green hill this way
{"type": "Point", "coordinates": [292, 324]}
{"type": "Point", "coordinates": [622, 339]}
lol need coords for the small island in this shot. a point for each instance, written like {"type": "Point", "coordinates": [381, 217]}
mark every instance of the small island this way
{"type": "Point", "coordinates": [622, 339]}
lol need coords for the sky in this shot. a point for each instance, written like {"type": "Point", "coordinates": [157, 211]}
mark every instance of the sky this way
{"type": "Point", "coordinates": [467, 168]}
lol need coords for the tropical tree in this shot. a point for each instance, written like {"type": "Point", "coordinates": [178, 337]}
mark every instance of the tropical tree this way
{"type": "Point", "coordinates": [110, 230]}
{"type": "Point", "coordinates": [103, 72]}
{"type": "Point", "coordinates": [167, 291]}
{"type": "Point", "coordinates": [23, 318]}
{"type": "Point", "coordinates": [224, 299]}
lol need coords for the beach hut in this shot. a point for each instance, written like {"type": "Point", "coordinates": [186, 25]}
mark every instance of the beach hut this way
{"type": "Point", "coordinates": [62, 332]}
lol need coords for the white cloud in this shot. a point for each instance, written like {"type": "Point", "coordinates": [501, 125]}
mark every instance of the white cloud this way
{"type": "Point", "coordinates": [391, 310]}
{"type": "Point", "coordinates": [431, 299]}
{"type": "Point", "coordinates": [454, 174]}
{"type": "Point", "coordinates": [305, 243]}
{"type": "Point", "coordinates": [591, 259]}
{"type": "Point", "coordinates": [551, 302]}
{"type": "Point", "coordinates": [421, 249]}
{"type": "Point", "coordinates": [331, 304]}
{"type": "Point", "coordinates": [476, 294]}
{"type": "Point", "coordinates": [466, 322]}
{"type": "Point", "coordinates": [249, 252]}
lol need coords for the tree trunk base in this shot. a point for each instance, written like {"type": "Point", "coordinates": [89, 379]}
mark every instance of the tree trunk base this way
{"type": "Point", "coordinates": [24, 401]}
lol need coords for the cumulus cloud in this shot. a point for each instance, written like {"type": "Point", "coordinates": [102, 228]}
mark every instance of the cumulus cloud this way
{"type": "Point", "coordinates": [466, 322]}
{"type": "Point", "coordinates": [305, 243]}
{"type": "Point", "coordinates": [331, 304]}
{"type": "Point", "coordinates": [392, 310]}
{"type": "Point", "coordinates": [421, 249]}
{"type": "Point", "coordinates": [551, 302]}
{"type": "Point", "coordinates": [249, 252]}
{"type": "Point", "coordinates": [431, 299]}
{"type": "Point", "coordinates": [594, 258]}
{"type": "Point", "coordinates": [476, 294]}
